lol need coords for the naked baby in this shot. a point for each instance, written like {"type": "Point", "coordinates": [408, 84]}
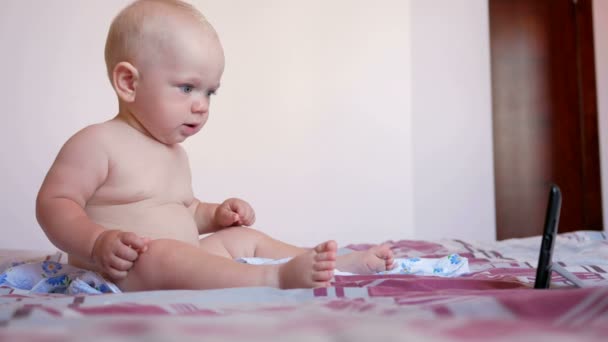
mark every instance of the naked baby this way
{"type": "Point", "coordinates": [118, 198]}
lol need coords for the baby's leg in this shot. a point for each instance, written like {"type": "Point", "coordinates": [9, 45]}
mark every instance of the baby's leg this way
{"type": "Point", "coordinates": [171, 264]}
{"type": "Point", "coordinates": [376, 259]}
{"type": "Point", "coordinates": [241, 242]}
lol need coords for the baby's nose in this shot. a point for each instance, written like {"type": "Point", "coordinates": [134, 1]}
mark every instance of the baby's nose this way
{"type": "Point", "coordinates": [200, 106]}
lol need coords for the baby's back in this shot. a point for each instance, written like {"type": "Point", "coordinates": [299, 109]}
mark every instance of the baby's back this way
{"type": "Point", "coordinates": [147, 190]}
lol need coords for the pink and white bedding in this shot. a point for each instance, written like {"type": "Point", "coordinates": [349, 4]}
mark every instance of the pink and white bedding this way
{"type": "Point", "coordinates": [494, 302]}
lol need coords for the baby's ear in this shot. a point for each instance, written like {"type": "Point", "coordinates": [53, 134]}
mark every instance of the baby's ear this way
{"type": "Point", "coordinates": [124, 79]}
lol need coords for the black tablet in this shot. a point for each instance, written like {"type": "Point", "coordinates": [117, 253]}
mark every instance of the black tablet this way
{"type": "Point", "coordinates": [545, 264]}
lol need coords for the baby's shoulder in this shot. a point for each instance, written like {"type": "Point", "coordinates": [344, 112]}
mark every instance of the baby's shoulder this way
{"type": "Point", "coordinates": [107, 137]}
{"type": "Point", "coordinates": [89, 143]}
{"type": "Point", "coordinates": [99, 134]}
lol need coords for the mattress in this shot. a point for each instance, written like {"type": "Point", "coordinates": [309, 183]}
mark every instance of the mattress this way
{"type": "Point", "coordinates": [495, 301]}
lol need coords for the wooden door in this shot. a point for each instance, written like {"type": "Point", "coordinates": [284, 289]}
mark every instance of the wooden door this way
{"type": "Point", "coordinates": [544, 114]}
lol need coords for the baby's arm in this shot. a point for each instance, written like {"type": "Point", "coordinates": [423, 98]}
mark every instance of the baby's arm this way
{"type": "Point", "coordinates": [211, 217]}
{"type": "Point", "coordinates": [80, 168]}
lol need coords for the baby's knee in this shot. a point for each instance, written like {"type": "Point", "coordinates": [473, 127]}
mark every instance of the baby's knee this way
{"type": "Point", "coordinates": [160, 256]}
{"type": "Point", "coordinates": [150, 269]}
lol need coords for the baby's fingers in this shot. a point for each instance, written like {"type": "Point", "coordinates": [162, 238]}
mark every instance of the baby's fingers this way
{"type": "Point", "coordinates": [126, 253]}
{"type": "Point", "coordinates": [146, 242]}
{"type": "Point", "coordinates": [227, 218]}
{"type": "Point", "coordinates": [245, 212]}
{"type": "Point", "coordinates": [249, 219]}
{"type": "Point", "coordinates": [132, 240]}
{"type": "Point", "coordinates": [120, 264]}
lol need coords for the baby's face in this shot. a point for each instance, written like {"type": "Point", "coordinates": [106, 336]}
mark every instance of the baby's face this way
{"type": "Point", "coordinates": [175, 85]}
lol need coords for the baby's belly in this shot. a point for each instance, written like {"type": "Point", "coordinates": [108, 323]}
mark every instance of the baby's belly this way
{"type": "Point", "coordinates": [154, 221]}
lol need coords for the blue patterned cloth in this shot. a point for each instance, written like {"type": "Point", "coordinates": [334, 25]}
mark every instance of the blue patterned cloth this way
{"type": "Point", "coordinates": [452, 265]}
{"type": "Point", "coordinates": [54, 277]}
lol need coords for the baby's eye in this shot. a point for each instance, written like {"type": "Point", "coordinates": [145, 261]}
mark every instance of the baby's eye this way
{"type": "Point", "coordinates": [210, 93]}
{"type": "Point", "coordinates": [186, 88]}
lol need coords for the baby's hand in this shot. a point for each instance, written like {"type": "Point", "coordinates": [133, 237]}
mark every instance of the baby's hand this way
{"type": "Point", "coordinates": [116, 251]}
{"type": "Point", "coordinates": [234, 212]}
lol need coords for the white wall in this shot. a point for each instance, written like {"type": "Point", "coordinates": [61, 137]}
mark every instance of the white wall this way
{"type": "Point", "coordinates": [600, 29]}
{"type": "Point", "coordinates": [53, 83]}
{"type": "Point", "coordinates": [312, 122]}
{"type": "Point", "coordinates": [327, 121]}
{"type": "Point", "coordinates": [452, 120]}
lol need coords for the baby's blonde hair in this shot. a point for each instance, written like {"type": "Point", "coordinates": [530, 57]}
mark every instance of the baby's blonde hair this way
{"type": "Point", "coordinates": [138, 24]}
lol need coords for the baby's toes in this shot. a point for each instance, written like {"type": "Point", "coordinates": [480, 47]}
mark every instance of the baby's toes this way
{"type": "Point", "coordinates": [389, 257]}
{"type": "Point", "coordinates": [324, 266]}
{"type": "Point", "coordinates": [383, 252]}
{"type": "Point", "coordinates": [322, 276]}
{"type": "Point", "coordinates": [326, 247]}
{"type": "Point", "coordinates": [387, 248]}
{"type": "Point", "coordinates": [325, 256]}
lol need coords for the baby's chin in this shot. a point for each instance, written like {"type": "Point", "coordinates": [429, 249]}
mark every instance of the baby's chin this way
{"type": "Point", "coordinates": [171, 140]}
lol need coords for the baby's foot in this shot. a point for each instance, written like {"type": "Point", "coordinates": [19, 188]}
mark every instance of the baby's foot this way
{"type": "Point", "coordinates": [376, 259]}
{"type": "Point", "coordinates": [314, 268]}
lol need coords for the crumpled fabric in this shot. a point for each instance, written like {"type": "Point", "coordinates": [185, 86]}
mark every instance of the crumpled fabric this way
{"type": "Point", "coordinates": [49, 276]}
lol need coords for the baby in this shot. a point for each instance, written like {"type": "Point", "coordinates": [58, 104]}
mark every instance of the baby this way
{"type": "Point", "coordinates": [118, 198]}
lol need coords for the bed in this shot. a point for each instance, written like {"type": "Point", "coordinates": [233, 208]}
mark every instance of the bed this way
{"type": "Point", "coordinates": [495, 301]}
